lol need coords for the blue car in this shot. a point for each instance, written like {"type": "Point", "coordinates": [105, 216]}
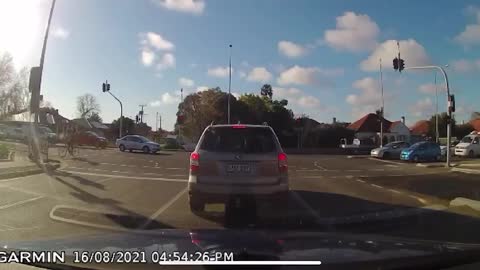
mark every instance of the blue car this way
{"type": "Point", "coordinates": [422, 151]}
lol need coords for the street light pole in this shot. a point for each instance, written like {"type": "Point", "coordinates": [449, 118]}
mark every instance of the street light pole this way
{"type": "Point", "coordinates": [106, 88]}
{"type": "Point", "coordinates": [383, 105]}
{"type": "Point", "coordinates": [229, 81]}
{"type": "Point", "coordinates": [449, 124]}
{"type": "Point", "coordinates": [436, 110]}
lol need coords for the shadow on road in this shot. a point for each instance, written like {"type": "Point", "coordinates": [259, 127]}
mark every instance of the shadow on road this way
{"type": "Point", "coordinates": [82, 159]}
{"type": "Point", "coordinates": [346, 214]}
{"type": "Point", "coordinates": [152, 154]}
{"type": "Point", "coordinates": [444, 186]}
{"type": "Point", "coordinates": [127, 219]}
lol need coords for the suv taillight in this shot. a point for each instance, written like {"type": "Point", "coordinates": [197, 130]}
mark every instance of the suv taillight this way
{"type": "Point", "coordinates": [282, 163]}
{"type": "Point", "coordinates": [194, 162]}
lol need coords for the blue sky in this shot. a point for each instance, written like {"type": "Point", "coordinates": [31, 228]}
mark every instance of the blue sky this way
{"type": "Point", "coordinates": [321, 56]}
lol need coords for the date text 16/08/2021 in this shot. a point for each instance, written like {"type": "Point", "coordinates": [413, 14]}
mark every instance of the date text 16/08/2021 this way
{"type": "Point", "coordinates": [106, 257]}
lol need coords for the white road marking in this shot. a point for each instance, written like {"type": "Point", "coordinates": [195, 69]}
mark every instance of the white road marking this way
{"type": "Point", "coordinates": [353, 170]}
{"type": "Point", "coordinates": [305, 205]}
{"type": "Point", "coordinates": [392, 166]}
{"type": "Point", "coordinates": [395, 191]}
{"type": "Point", "coordinates": [387, 161]}
{"type": "Point", "coordinates": [128, 177]}
{"type": "Point", "coordinates": [18, 178]}
{"type": "Point", "coordinates": [318, 166]}
{"type": "Point", "coordinates": [377, 186]}
{"type": "Point", "coordinates": [377, 170]}
{"type": "Point", "coordinates": [309, 170]}
{"type": "Point", "coordinates": [178, 175]}
{"type": "Point", "coordinates": [20, 202]}
{"type": "Point", "coordinates": [418, 199]}
{"type": "Point", "coordinates": [174, 168]}
{"type": "Point", "coordinates": [313, 177]}
{"type": "Point", "coordinates": [359, 180]}
{"type": "Point", "coordinates": [163, 208]}
{"type": "Point", "coordinates": [105, 179]}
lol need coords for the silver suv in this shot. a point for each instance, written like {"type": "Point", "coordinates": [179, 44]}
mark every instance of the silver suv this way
{"type": "Point", "coordinates": [237, 160]}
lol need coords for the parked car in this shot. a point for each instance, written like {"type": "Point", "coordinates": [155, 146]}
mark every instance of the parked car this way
{"type": "Point", "coordinates": [234, 161]}
{"type": "Point", "coordinates": [137, 142]}
{"type": "Point", "coordinates": [422, 151]}
{"type": "Point", "coordinates": [390, 151]}
{"type": "Point", "coordinates": [469, 145]}
{"type": "Point", "coordinates": [91, 138]}
{"type": "Point", "coordinates": [358, 146]}
{"type": "Point", "coordinates": [16, 133]}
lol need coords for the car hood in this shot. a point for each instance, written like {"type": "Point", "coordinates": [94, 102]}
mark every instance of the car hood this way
{"type": "Point", "coordinates": [462, 144]}
{"type": "Point", "coordinates": [329, 248]}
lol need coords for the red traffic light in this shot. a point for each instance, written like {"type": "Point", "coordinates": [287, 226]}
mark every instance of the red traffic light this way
{"type": "Point", "coordinates": [395, 63]}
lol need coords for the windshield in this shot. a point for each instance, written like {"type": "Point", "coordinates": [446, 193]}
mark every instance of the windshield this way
{"type": "Point", "coordinates": [467, 139]}
{"type": "Point", "coordinates": [268, 118]}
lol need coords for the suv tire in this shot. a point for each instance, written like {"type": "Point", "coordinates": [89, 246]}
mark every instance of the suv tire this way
{"type": "Point", "coordinates": [146, 150]}
{"type": "Point", "coordinates": [121, 147]}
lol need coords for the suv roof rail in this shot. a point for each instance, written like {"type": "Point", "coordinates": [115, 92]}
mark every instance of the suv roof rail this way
{"type": "Point", "coordinates": [212, 123]}
{"type": "Point", "coordinates": [265, 124]}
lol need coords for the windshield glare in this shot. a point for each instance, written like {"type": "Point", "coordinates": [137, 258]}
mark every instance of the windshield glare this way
{"type": "Point", "coordinates": [467, 139]}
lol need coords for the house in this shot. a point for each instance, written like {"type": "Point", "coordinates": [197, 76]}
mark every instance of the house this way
{"type": "Point", "coordinates": [370, 127]}
{"type": "Point", "coordinates": [420, 128]}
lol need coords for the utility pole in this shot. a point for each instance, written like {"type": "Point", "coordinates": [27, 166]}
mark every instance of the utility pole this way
{"type": "Point", "coordinates": [437, 135]}
{"type": "Point", "coordinates": [141, 112]}
{"type": "Point", "coordinates": [229, 81]}
{"type": "Point", "coordinates": [156, 122]}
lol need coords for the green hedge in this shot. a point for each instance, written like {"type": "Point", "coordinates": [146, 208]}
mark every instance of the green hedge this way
{"type": "Point", "coordinates": [3, 151]}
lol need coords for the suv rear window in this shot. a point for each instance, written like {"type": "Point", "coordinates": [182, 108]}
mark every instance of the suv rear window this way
{"type": "Point", "coordinates": [239, 140]}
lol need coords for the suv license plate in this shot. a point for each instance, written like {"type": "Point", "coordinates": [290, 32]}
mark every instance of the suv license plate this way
{"type": "Point", "coordinates": [238, 168]}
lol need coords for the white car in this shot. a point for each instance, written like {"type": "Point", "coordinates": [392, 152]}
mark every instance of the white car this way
{"type": "Point", "coordinates": [469, 146]}
{"type": "Point", "coordinates": [137, 142]}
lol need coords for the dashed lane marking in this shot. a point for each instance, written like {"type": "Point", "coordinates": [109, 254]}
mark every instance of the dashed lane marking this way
{"type": "Point", "coordinates": [174, 168]}
{"type": "Point", "coordinates": [418, 199]}
{"type": "Point", "coordinates": [163, 208]}
{"type": "Point", "coordinates": [387, 161]}
{"type": "Point", "coordinates": [395, 191]}
{"type": "Point", "coordinates": [359, 180]}
{"type": "Point", "coordinates": [318, 166]}
{"type": "Point", "coordinates": [377, 186]}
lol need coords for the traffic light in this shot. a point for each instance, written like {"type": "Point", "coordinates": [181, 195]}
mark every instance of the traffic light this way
{"type": "Point", "coordinates": [401, 65]}
{"type": "Point", "coordinates": [395, 63]}
{"type": "Point", "coordinates": [136, 119]}
{"type": "Point", "coordinates": [104, 87]}
{"type": "Point", "coordinates": [108, 87]}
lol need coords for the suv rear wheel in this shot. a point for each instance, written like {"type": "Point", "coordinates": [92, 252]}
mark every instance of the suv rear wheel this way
{"type": "Point", "coordinates": [146, 149]}
{"type": "Point", "coordinates": [122, 147]}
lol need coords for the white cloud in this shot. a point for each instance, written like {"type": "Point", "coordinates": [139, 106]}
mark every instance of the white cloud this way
{"type": "Point", "coordinates": [202, 88]}
{"type": "Point", "coordinates": [297, 97]}
{"type": "Point", "coordinates": [242, 74]}
{"type": "Point", "coordinates": [353, 33]}
{"type": "Point", "coordinates": [156, 41]}
{"type": "Point", "coordinates": [412, 52]}
{"type": "Point", "coordinates": [166, 99]}
{"type": "Point", "coordinates": [465, 66]}
{"type": "Point", "coordinates": [188, 6]}
{"type": "Point", "coordinates": [290, 49]}
{"type": "Point", "coordinates": [306, 75]}
{"type": "Point", "coordinates": [369, 98]}
{"type": "Point", "coordinates": [236, 95]}
{"type": "Point", "coordinates": [423, 108]}
{"type": "Point", "coordinates": [471, 34]}
{"type": "Point", "coordinates": [166, 61]}
{"type": "Point", "coordinates": [259, 74]}
{"type": "Point", "coordinates": [60, 32]}
{"type": "Point", "coordinates": [430, 88]}
{"type": "Point", "coordinates": [147, 57]}
{"type": "Point", "coordinates": [220, 72]}
{"type": "Point", "coordinates": [186, 82]}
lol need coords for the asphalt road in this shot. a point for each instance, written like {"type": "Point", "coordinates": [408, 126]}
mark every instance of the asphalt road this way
{"type": "Point", "coordinates": [107, 190]}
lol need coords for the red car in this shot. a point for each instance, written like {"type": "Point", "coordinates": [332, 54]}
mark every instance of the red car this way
{"type": "Point", "coordinates": [90, 138]}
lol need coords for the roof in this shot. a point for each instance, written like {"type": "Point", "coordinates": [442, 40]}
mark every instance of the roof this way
{"type": "Point", "coordinates": [420, 127]}
{"type": "Point", "coordinates": [98, 125]}
{"type": "Point", "coordinates": [475, 124]}
{"type": "Point", "coordinates": [369, 123]}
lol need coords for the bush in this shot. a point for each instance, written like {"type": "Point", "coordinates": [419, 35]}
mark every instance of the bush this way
{"type": "Point", "coordinates": [171, 144]}
{"type": "Point", "coordinates": [3, 151]}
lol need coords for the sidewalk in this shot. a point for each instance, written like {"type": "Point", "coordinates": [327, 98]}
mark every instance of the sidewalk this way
{"type": "Point", "coordinates": [21, 165]}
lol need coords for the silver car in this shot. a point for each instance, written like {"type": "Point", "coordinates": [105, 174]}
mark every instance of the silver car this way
{"type": "Point", "coordinates": [137, 142]}
{"type": "Point", "coordinates": [390, 151]}
{"type": "Point", "coordinates": [230, 161]}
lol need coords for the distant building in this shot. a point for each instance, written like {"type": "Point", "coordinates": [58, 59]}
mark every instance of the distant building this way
{"type": "Point", "coordinates": [475, 124]}
{"type": "Point", "coordinates": [369, 127]}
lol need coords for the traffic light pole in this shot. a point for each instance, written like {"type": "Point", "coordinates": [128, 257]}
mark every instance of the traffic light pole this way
{"type": "Point", "coordinates": [449, 124]}
{"type": "Point", "coordinates": [121, 114]}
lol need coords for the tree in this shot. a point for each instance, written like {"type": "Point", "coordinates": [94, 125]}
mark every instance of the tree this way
{"type": "Point", "coordinates": [87, 105]}
{"type": "Point", "coordinates": [266, 91]}
{"type": "Point", "coordinates": [442, 125]}
{"type": "Point", "coordinates": [128, 126]}
{"type": "Point", "coordinates": [95, 117]}
{"type": "Point", "coordinates": [14, 94]}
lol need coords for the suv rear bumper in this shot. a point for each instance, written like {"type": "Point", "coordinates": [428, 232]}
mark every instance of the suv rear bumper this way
{"type": "Point", "coordinates": [220, 193]}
